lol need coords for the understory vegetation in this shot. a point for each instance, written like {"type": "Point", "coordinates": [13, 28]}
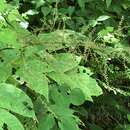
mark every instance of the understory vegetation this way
{"type": "Point", "coordinates": [64, 65]}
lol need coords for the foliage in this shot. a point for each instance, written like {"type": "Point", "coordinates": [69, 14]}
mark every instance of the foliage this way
{"type": "Point", "coordinates": [64, 65]}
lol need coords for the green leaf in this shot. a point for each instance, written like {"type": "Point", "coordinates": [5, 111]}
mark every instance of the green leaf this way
{"type": "Point", "coordinates": [87, 84]}
{"type": "Point", "coordinates": [58, 97]}
{"type": "Point", "coordinates": [7, 119]}
{"type": "Point", "coordinates": [32, 73]}
{"type": "Point", "coordinates": [71, 10]}
{"type": "Point", "coordinates": [10, 39]}
{"type": "Point", "coordinates": [8, 58]}
{"type": "Point", "coordinates": [108, 3]}
{"type": "Point", "coordinates": [128, 117]}
{"type": "Point", "coordinates": [5, 71]}
{"type": "Point", "coordinates": [77, 96]}
{"type": "Point", "coordinates": [47, 122]}
{"type": "Point", "coordinates": [61, 110]}
{"type": "Point", "coordinates": [2, 5]}
{"type": "Point", "coordinates": [14, 15]}
{"type": "Point", "coordinates": [83, 81]}
{"type": "Point", "coordinates": [110, 29]}
{"type": "Point", "coordinates": [93, 23]}
{"type": "Point", "coordinates": [46, 10]}
{"type": "Point", "coordinates": [15, 3]}
{"type": "Point", "coordinates": [85, 70]}
{"type": "Point", "coordinates": [40, 3]}
{"type": "Point", "coordinates": [15, 100]}
{"type": "Point", "coordinates": [103, 18]}
{"type": "Point", "coordinates": [9, 55]}
{"type": "Point", "coordinates": [81, 3]}
{"type": "Point", "coordinates": [66, 124]}
{"type": "Point", "coordinates": [60, 39]}
{"type": "Point", "coordinates": [64, 62]}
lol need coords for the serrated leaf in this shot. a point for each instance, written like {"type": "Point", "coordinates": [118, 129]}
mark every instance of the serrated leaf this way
{"type": "Point", "coordinates": [16, 100]}
{"type": "Point", "coordinates": [32, 73]}
{"type": "Point", "coordinates": [9, 120]}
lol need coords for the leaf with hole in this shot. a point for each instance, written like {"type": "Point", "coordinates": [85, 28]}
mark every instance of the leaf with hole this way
{"type": "Point", "coordinates": [83, 81]}
{"type": "Point", "coordinates": [16, 100]}
{"type": "Point", "coordinates": [32, 73]}
{"type": "Point", "coordinates": [9, 121]}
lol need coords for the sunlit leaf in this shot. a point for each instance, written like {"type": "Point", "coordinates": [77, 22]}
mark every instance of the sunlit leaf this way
{"type": "Point", "coordinates": [2, 5]}
{"type": "Point", "coordinates": [103, 18]}
{"type": "Point", "coordinates": [14, 99]}
{"type": "Point", "coordinates": [9, 121]}
{"type": "Point", "coordinates": [32, 73]}
{"type": "Point", "coordinates": [84, 82]}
